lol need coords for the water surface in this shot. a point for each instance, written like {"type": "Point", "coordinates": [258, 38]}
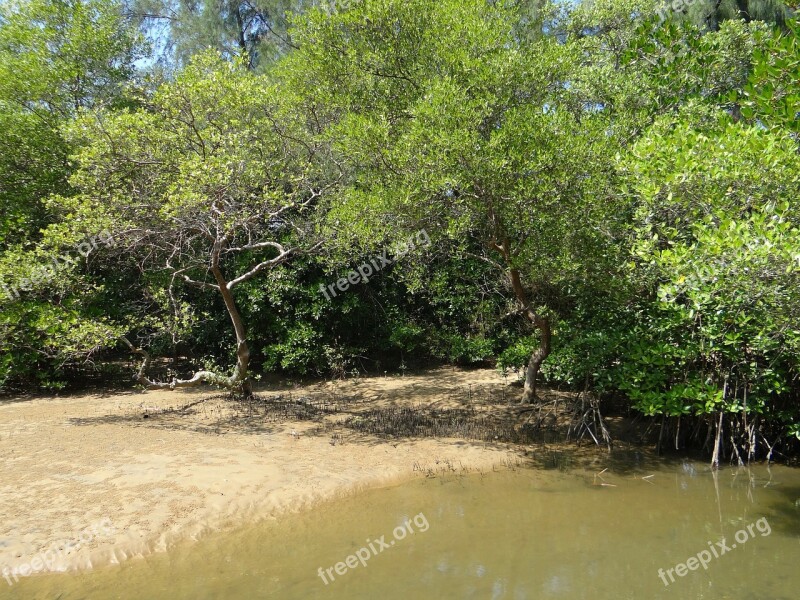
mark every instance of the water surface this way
{"type": "Point", "coordinates": [527, 534]}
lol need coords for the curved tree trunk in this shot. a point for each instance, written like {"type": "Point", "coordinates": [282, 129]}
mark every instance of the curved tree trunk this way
{"type": "Point", "coordinates": [239, 377]}
{"type": "Point", "coordinates": [537, 358]}
{"type": "Point", "coordinates": [239, 380]}
{"type": "Point", "coordinates": [543, 325]}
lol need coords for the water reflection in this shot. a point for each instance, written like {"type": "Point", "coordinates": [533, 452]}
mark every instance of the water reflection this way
{"type": "Point", "coordinates": [528, 534]}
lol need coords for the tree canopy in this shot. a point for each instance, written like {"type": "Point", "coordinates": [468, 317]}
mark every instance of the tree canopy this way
{"type": "Point", "coordinates": [609, 190]}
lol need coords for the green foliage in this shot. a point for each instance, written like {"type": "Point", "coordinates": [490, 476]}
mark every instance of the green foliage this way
{"type": "Point", "coordinates": [451, 121]}
{"type": "Point", "coordinates": [467, 350]}
{"type": "Point", "coordinates": [723, 329]}
{"type": "Point", "coordinates": [55, 59]}
{"type": "Point", "coordinates": [516, 356]}
{"type": "Point", "coordinates": [37, 338]}
{"type": "Point", "coordinates": [33, 164]}
{"type": "Point", "coordinates": [382, 326]}
{"type": "Point", "coordinates": [772, 95]}
{"type": "Point", "coordinates": [717, 243]}
{"type": "Point", "coordinates": [300, 351]}
{"type": "Point", "coordinates": [631, 182]}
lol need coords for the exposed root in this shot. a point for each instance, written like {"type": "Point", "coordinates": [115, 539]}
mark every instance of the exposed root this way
{"type": "Point", "coordinates": [235, 383]}
{"type": "Point", "coordinates": [587, 419]}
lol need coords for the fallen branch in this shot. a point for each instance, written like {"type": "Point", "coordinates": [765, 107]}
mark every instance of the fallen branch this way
{"type": "Point", "coordinates": [198, 379]}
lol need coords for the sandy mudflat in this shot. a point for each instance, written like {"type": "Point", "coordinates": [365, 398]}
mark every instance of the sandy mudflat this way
{"type": "Point", "coordinates": [199, 462]}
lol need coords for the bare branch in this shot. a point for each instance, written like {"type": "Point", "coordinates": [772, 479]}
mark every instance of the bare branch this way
{"type": "Point", "coordinates": [198, 379]}
{"type": "Point", "coordinates": [259, 246]}
{"type": "Point", "coordinates": [268, 264]}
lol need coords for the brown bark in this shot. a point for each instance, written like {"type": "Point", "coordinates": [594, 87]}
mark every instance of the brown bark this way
{"type": "Point", "coordinates": [537, 358]}
{"type": "Point", "coordinates": [540, 322]}
{"type": "Point", "coordinates": [239, 379]}
{"type": "Point", "coordinates": [242, 349]}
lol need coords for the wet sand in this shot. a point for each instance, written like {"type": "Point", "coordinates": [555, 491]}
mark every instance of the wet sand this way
{"type": "Point", "coordinates": [156, 468]}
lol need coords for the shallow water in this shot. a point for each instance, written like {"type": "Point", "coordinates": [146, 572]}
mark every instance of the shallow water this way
{"type": "Point", "coordinates": [512, 535]}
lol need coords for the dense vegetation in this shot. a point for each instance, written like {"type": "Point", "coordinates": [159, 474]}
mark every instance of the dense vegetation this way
{"type": "Point", "coordinates": [601, 196]}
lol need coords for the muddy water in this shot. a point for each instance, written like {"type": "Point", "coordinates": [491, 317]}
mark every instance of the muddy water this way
{"type": "Point", "coordinates": [511, 535]}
